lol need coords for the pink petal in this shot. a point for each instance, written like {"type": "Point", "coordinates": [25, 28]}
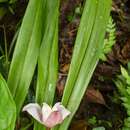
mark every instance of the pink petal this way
{"type": "Point", "coordinates": [54, 119]}
{"type": "Point", "coordinates": [46, 111]}
{"type": "Point", "coordinates": [34, 110]}
{"type": "Point", "coordinates": [47, 116]}
{"type": "Point", "coordinates": [64, 112]}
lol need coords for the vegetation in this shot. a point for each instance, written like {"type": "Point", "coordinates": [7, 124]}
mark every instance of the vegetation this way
{"type": "Point", "coordinates": [34, 46]}
{"type": "Point", "coordinates": [123, 84]}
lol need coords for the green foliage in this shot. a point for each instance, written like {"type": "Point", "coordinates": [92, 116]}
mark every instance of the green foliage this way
{"type": "Point", "coordinates": [26, 52]}
{"type": "Point", "coordinates": [2, 12]}
{"type": "Point", "coordinates": [9, 1]}
{"type": "Point", "coordinates": [7, 107]}
{"type": "Point", "coordinates": [5, 6]}
{"type": "Point", "coordinates": [38, 41]}
{"type": "Point", "coordinates": [110, 40]}
{"type": "Point", "coordinates": [89, 42]}
{"type": "Point", "coordinates": [48, 58]}
{"type": "Point", "coordinates": [125, 75]}
{"type": "Point", "coordinates": [92, 120]}
{"type": "Point", "coordinates": [81, 44]}
{"type": "Point", "coordinates": [12, 1]}
{"type": "Point", "coordinates": [99, 128]}
{"type": "Point", "coordinates": [2, 1]}
{"type": "Point", "coordinates": [73, 15]}
{"type": "Point", "coordinates": [123, 84]}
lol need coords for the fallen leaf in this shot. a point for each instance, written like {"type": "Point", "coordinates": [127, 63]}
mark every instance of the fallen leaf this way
{"type": "Point", "coordinates": [79, 125]}
{"type": "Point", "coordinates": [95, 96]}
{"type": "Point", "coordinates": [126, 50]}
{"type": "Point", "coordinates": [64, 68]}
{"type": "Point", "coordinates": [60, 85]}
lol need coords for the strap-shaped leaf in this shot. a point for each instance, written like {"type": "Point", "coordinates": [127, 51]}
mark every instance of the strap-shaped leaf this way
{"type": "Point", "coordinates": [90, 59]}
{"type": "Point", "coordinates": [46, 91]}
{"type": "Point", "coordinates": [52, 69]}
{"type": "Point", "coordinates": [48, 58]}
{"type": "Point", "coordinates": [82, 40]}
{"type": "Point", "coordinates": [26, 51]}
{"type": "Point", "coordinates": [21, 46]}
{"type": "Point", "coordinates": [7, 107]}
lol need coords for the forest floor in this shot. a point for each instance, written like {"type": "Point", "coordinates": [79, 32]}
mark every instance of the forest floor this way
{"type": "Point", "coordinates": [99, 106]}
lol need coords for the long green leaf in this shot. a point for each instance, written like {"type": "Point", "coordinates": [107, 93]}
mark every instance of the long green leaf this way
{"type": "Point", "coordinates": [48, 59]}
{"type": "Point", "coordinates": [90, 59]}
{"type": "Point", "coordinates": [81, 43]}
{"type": "Point", "coordinates": [82, 39]}
{"type": "Point", "coordinates": [52, 70]}
{"type": "Point", "coordinates": [26, 51]}
{"type": "Point", "coordinates": [49, 40]}
{"type": "Point", "coordinates": [7, 107]}
{"type": "Point", "coordinates": [21, 46]}
{"type": "Point", "coordinates": [49, 87]}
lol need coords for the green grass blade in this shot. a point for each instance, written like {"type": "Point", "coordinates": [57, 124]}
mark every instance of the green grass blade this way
{"type": "Point", "coordinates": [26, 52]}
{"type": "Point", "coordinates": [7, 107]}
{"type": "Point", "coordinates": [84, 32]}
{"type": "Point", "coordinates": [90, 60]}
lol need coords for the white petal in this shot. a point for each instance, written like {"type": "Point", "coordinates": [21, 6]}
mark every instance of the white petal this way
{"type": "Point", "coordinates": [62, 109]}
{"type": "Point", "coordinates": [55, 107]}
{"type": "Point", "coordinates": [34, 110]}
{"type": "Point", "coordinates": [46, 111]}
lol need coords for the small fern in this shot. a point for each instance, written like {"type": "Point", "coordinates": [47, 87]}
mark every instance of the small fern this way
{"type": "Point", "coordinates": [109, 41]}
{"type": "Point", "coordinates": [123, 84]}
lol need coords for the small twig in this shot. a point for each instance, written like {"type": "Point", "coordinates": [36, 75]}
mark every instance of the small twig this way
{"type": "Point", "coordinates": [5, 41]}
{"type": "Point", "coordinates": [62, 74]}
{"type": "Point", "coordinates": [1, 50]}
{"type": "Point", "coordinates": [13, 42]}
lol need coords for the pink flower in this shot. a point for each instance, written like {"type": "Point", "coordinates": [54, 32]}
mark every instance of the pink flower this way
{"type": "Point", "coordinates": [46, 115]}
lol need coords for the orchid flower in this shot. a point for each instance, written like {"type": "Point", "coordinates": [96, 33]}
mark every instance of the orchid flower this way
{"type": "Point", "coordinates": [46, 115]}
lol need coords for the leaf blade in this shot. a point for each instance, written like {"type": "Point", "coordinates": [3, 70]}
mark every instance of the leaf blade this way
{"type": "Point", "coordinates": [7, 106]}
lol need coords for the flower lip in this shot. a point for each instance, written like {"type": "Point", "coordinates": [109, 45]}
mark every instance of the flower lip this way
{"type": "Point", "coordinates": [46, 115]}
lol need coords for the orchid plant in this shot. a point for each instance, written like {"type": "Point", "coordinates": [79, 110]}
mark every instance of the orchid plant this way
{"type": "Point", "coordinates": [37, 43]}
